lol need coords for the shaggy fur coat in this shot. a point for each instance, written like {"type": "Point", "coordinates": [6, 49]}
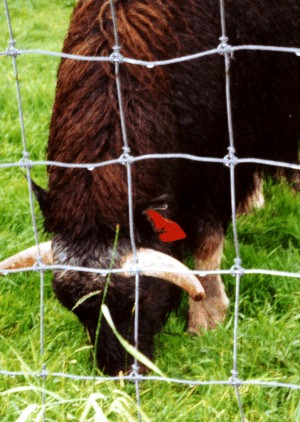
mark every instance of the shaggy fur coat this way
{"type": "Point", "coordinates": [175, 108]}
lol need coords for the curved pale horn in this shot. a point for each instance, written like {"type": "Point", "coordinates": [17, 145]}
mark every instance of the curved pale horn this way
{"type": "Point", "coordinates": [152, 263]}
{"type": "Point", "coordinates": [157, 264]}
{"type": "Point", "coordinates": [27, 258]}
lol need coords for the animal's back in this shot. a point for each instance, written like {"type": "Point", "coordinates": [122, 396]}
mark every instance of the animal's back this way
{"type": "Point", "coordinates": [176, 108]}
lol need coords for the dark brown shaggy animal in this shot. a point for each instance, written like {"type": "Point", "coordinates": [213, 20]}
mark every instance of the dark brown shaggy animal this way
{"type": "Point", "coordinates": [176, 108]}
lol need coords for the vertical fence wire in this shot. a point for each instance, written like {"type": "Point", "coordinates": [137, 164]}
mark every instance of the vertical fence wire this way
{"type": "Point", "coordinates": [126, 157]}
{"type": "Point", "coordinates": [226, 51]}
{"type": "Point", "coordinates": [25, 163]}
{"type": "Point", "coordinates": [230, 161]}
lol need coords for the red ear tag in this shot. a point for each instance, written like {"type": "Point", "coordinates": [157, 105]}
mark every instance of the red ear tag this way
{"type": "Point", "coordinates": [168, 230]}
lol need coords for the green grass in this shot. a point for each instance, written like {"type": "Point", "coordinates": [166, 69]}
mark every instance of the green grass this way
{"type": "Point", "coordinates": [269, 345]}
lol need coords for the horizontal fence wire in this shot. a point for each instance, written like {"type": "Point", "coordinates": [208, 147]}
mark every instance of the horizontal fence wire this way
{"type": "Point", "coordinates": [39, 266]}
{"type": "Point", "coordinates": [140, 377]}
{"type": "Point", "coordinates": [230, 160]}
{"type": "Point", "coordinates": [132, 159]}
{"type": "Point", "coordinates": [12, 51]}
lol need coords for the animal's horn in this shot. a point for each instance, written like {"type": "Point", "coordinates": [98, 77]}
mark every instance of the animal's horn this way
{"type": "Point", "coordinates": [27, 258]}
{"type": "Point", "coordinates": [157, 264]}
{"type": "Point", "coordinates": [153, 264]}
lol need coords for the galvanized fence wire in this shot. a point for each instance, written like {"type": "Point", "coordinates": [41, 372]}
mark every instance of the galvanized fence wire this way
{"type": "Point", "coordinates": [126, 159]}
{"type": "Point", "coordinates": [230, 160]}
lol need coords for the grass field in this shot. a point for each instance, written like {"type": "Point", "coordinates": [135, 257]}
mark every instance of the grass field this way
{"type": "Point", "coordinates": [269, 343]}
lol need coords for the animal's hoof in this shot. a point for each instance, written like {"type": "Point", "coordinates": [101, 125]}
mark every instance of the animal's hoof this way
{"type": "Point", "coordinates": [206, 315]}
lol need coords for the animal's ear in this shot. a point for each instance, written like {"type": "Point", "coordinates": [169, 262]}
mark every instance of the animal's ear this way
{"type": "Point", "coordinates": [41, 196]}
{"type": "Point", "coordinates": [159, 204]}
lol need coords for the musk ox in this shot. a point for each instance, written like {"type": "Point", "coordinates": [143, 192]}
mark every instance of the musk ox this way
{"type": "Point", "coordinates": [179, 108]}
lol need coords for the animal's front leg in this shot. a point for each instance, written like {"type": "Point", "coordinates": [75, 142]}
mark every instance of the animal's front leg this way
{"type": "Point", "coordinates": [211, 310]}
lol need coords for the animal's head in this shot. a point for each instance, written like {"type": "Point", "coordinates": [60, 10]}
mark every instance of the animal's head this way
{"type": "Point", "coordinates": [85, 291]}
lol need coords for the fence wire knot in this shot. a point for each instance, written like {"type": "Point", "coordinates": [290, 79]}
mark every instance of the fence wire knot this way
{"type": "Point", "coordinates": [234, 380]}
{"type": "Point", "coordinates": [11, 49]}
{"type": "Point", "coordinates": [126, 158]}
{"type": "Point", "coordinates": [116, 56]}
{"type": "Point", "coordinates": [224, 48]}
{"type": "Point", "coordinates": [24, 162]}
{"type": "Point", "coordinates": [134, 374]}
{"type": "Point", "coordinates": [230, 158]}
{"type": "Point", "coordinates": [237, 268]}
{"type": "Point", "coordinates": [44, 373]}
{"type": "Point", "coordinates": [39, 265]}
{"type": "Point", "coordinates": [134, 267]}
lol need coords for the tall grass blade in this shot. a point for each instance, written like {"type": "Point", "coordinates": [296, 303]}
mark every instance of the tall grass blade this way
{"type": "Point", "coordinates": [104, 297]}
{"type": "Point", "coordinates": [84, 298]}
{"type": "Point", "coordinates": [127, 346]}
{"type": "Point", "coordinates": [28, 411]}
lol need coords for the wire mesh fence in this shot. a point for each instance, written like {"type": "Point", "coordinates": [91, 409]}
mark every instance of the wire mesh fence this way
{"type": "Point", "coordinates": [230, 160]}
